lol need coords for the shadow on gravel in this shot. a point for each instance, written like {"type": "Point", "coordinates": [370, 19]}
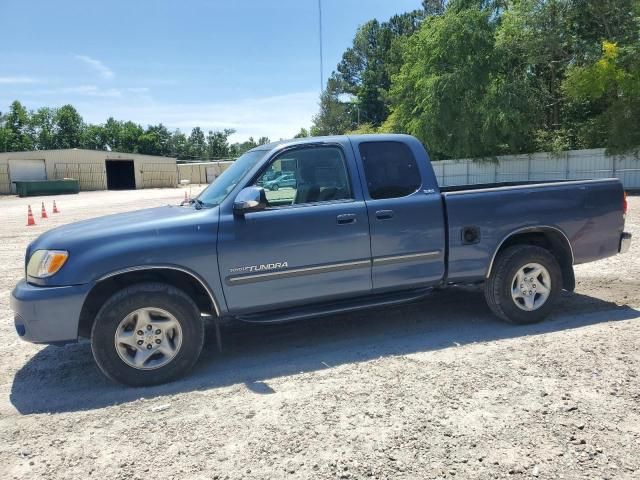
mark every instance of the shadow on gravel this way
{"type": "Point", "coordinates": [64, 379]}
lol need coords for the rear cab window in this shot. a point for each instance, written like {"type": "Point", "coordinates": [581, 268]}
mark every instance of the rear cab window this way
{"type": "Point", "coordinates": [390, 169]}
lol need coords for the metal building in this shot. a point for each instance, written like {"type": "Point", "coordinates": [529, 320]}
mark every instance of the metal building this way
{"type": "Point", "coordinates": [202, 172]}
{"type": "Point", "coordinates": [94, 169]}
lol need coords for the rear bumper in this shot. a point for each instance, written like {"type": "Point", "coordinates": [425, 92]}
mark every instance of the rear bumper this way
{"type": "Point", "coordinates": [47, 314]}
{"type": "Point", "coordinates": [625, 242]}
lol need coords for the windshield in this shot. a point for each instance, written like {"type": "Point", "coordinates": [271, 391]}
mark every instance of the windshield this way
{"type": "Point", "coordinates": [215, 193]}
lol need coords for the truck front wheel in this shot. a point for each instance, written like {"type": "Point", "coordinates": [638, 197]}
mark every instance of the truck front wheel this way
{"type": "Point", "coordinates": [524, 284]}
{"type": "Point", "coordinates": [146, 334]}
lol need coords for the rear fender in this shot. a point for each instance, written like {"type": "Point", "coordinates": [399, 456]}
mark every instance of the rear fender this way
{"type": "Point", "coordinates": [546, 236]}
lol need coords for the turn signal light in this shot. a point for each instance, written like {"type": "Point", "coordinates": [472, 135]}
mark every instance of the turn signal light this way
{"type": "Point", "coordinates": [44, 263]}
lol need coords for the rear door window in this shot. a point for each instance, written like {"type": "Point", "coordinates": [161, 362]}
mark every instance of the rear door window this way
{"type": "Point", "coordinates": [390, 169]}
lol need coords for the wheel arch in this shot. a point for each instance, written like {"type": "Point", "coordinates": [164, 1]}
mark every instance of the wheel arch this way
{"type": "Point", "coordinates": [545, 236]}
{"type": "Point", "coordinates": [109, 284]}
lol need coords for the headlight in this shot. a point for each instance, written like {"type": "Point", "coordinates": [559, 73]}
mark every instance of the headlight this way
{"type": "Point", "coordinates": [44, 263]}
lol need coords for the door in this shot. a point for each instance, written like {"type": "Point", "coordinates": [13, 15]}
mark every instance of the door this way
{"type": "Point", "coordinates": [26, 170]}
{"type": "Point", "coordinates": [405, 216]}
{"type": "Point", "coordinates": [310, 245]}
{"type": "Point", "coordinates": [120, 175]}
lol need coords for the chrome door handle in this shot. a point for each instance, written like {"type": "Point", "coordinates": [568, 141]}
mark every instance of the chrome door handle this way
{"type": "Point", "coordinates": [384, 214]}
{"type": "Point", "coordinates": [346, 218]}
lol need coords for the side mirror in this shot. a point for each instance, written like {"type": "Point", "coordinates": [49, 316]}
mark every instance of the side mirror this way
{"type": "Point", "coordinates": [250, 199]}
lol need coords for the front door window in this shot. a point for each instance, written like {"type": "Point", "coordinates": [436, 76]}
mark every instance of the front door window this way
{"type": "Point", "coordinates": [304, 176]}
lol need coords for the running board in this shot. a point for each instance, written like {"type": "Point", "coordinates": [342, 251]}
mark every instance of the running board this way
{"type": "Point", "coordinates": [336, 307]}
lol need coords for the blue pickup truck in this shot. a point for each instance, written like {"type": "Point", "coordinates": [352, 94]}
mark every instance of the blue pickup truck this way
{"type": "Point", "coordinates": [365, 226]}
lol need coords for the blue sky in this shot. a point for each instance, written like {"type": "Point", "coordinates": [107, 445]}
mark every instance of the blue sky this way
{"type": "Point", "coordinates": [245, 64]}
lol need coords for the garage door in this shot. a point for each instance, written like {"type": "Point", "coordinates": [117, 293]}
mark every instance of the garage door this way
{"type": "Point", "coordinates": [22, 170]}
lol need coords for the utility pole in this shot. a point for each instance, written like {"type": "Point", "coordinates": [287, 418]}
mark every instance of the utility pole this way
{"type": "Point", "coordinates": [320, 38]}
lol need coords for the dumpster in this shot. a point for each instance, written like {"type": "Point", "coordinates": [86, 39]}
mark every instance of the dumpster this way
{"type": "Point", "coordinates": [31, 188]}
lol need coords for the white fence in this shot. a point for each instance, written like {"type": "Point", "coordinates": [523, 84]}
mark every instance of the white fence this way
{"type": "Point", "coordinates": [571, 165]}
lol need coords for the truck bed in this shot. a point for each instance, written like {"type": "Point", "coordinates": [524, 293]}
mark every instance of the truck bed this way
{"type": "Point", "coordinates": [587, 213]}
{"type": "Point", "coordinates": [487, 186]}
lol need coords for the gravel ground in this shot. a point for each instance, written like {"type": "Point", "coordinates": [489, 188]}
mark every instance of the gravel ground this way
{"type": "Point", "coordinates": [436, 389]}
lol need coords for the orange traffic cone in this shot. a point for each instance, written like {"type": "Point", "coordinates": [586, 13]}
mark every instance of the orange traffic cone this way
{"type": "Point", "coordinates": [44, 212]}
{"type": "Point", "coordinates": [30, 219]}
{"type": "Point", "coordinates": [186, 198]}
{"type": "Point", "coordinates": [55, 209]}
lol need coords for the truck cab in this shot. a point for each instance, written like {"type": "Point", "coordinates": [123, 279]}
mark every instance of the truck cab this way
{"type": "Point", "coordinates": [365, 237]}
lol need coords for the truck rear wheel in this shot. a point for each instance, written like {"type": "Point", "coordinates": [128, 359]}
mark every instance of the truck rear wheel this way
{"type": "Point", "coordinates": [147, 334]}
{"type": "Point", "coordinates": [524, 284]}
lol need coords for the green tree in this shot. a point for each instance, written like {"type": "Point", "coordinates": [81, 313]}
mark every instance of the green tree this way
{"type": "Point", "coordinates": [238, 149]}
{"type": "Point", "coordinates": [334, 117]}
{"type": "Point", "coordinates": [43, 127]}
{"type": "Point", "coordinates": [50, 128]}
{"type": "Point", "coordinates": [613, 83]}
{"type": "Point", "coordinates": [441, 91]}
{"type": "Point", "coordinates": [5, 138]}
{"type": "Point", "coordinates": [434, 7]}
{"type": "Point", "coordinates": [367, 66]}
{"type": "Point", "coordinates": [128, 136]}
{"type": "Point", "coordinates": [17, 129]}
{"type": "Point", "coordinates": [149, 143]}
{"type": "Point", "coordinates": [546, 39]}
{"type": "Point", "coordinates": [197, 144]}
{"type": "Point", "coordinates": [218, 143]}
{"type": "Point", "coordinates": [112, 131]}
{"type": "Point", "coordinates": [303, 133]}
{"type": "Point", "coordinates": [68, 128]}
{"type": "Point", "coordinates": [366, 128]}
{"type": "Point", "coordinates": [5, 134]}
{"type": "Point", "coordinates": [179, 146]}
{"type": "Point", "coordinates": [593, 22]}
{"type": "Point", "coordinates": [536, 35]}
{"type": "Point", "coordinates": [93, 137]}
{"type": "Point", "coordinates": [156, 140]}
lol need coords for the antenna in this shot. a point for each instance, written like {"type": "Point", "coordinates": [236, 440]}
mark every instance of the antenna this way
{"type": "Point", "coordinates": [320, 35]}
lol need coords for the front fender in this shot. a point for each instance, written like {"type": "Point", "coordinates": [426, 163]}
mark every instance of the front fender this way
{"type": "Point", "coordinates": [169, 237]}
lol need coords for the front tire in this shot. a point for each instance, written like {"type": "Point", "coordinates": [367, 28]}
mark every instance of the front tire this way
{"type": "Point", "coordinates": [147, 334]}
{"type": "Point", "coordinates": [524, 284]}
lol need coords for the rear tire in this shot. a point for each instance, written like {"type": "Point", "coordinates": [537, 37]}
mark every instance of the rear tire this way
{"type": "Point", "coordinates": [524, 284]}
{"type": "Point", "coordinates": [147, 334]}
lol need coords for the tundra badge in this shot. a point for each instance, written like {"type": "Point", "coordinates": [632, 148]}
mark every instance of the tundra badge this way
{"type": "Point", "coordinates": [259, 268]}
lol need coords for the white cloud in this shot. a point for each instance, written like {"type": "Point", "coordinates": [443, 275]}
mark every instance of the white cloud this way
{"type": "Point", "coordinates": [93, 91]}
{"type": "Point", "coordinates": [97, 65]}
{"type": "Point", "coordinates": [99, 92]}
{"type": "Point", "coordinates": [138, 89]}
{"type": "Point", "coordinates": [80, 90]}
{"type": "Point", "coordinates": [18, 80]}
{"type": "Point", "coordinates": [276, 117]}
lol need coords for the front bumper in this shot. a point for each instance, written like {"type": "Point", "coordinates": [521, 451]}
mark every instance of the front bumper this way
{"type": "Point", "coordinates": [625, 242]}
{"type": "Point", "coordinates": [47, 314]}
